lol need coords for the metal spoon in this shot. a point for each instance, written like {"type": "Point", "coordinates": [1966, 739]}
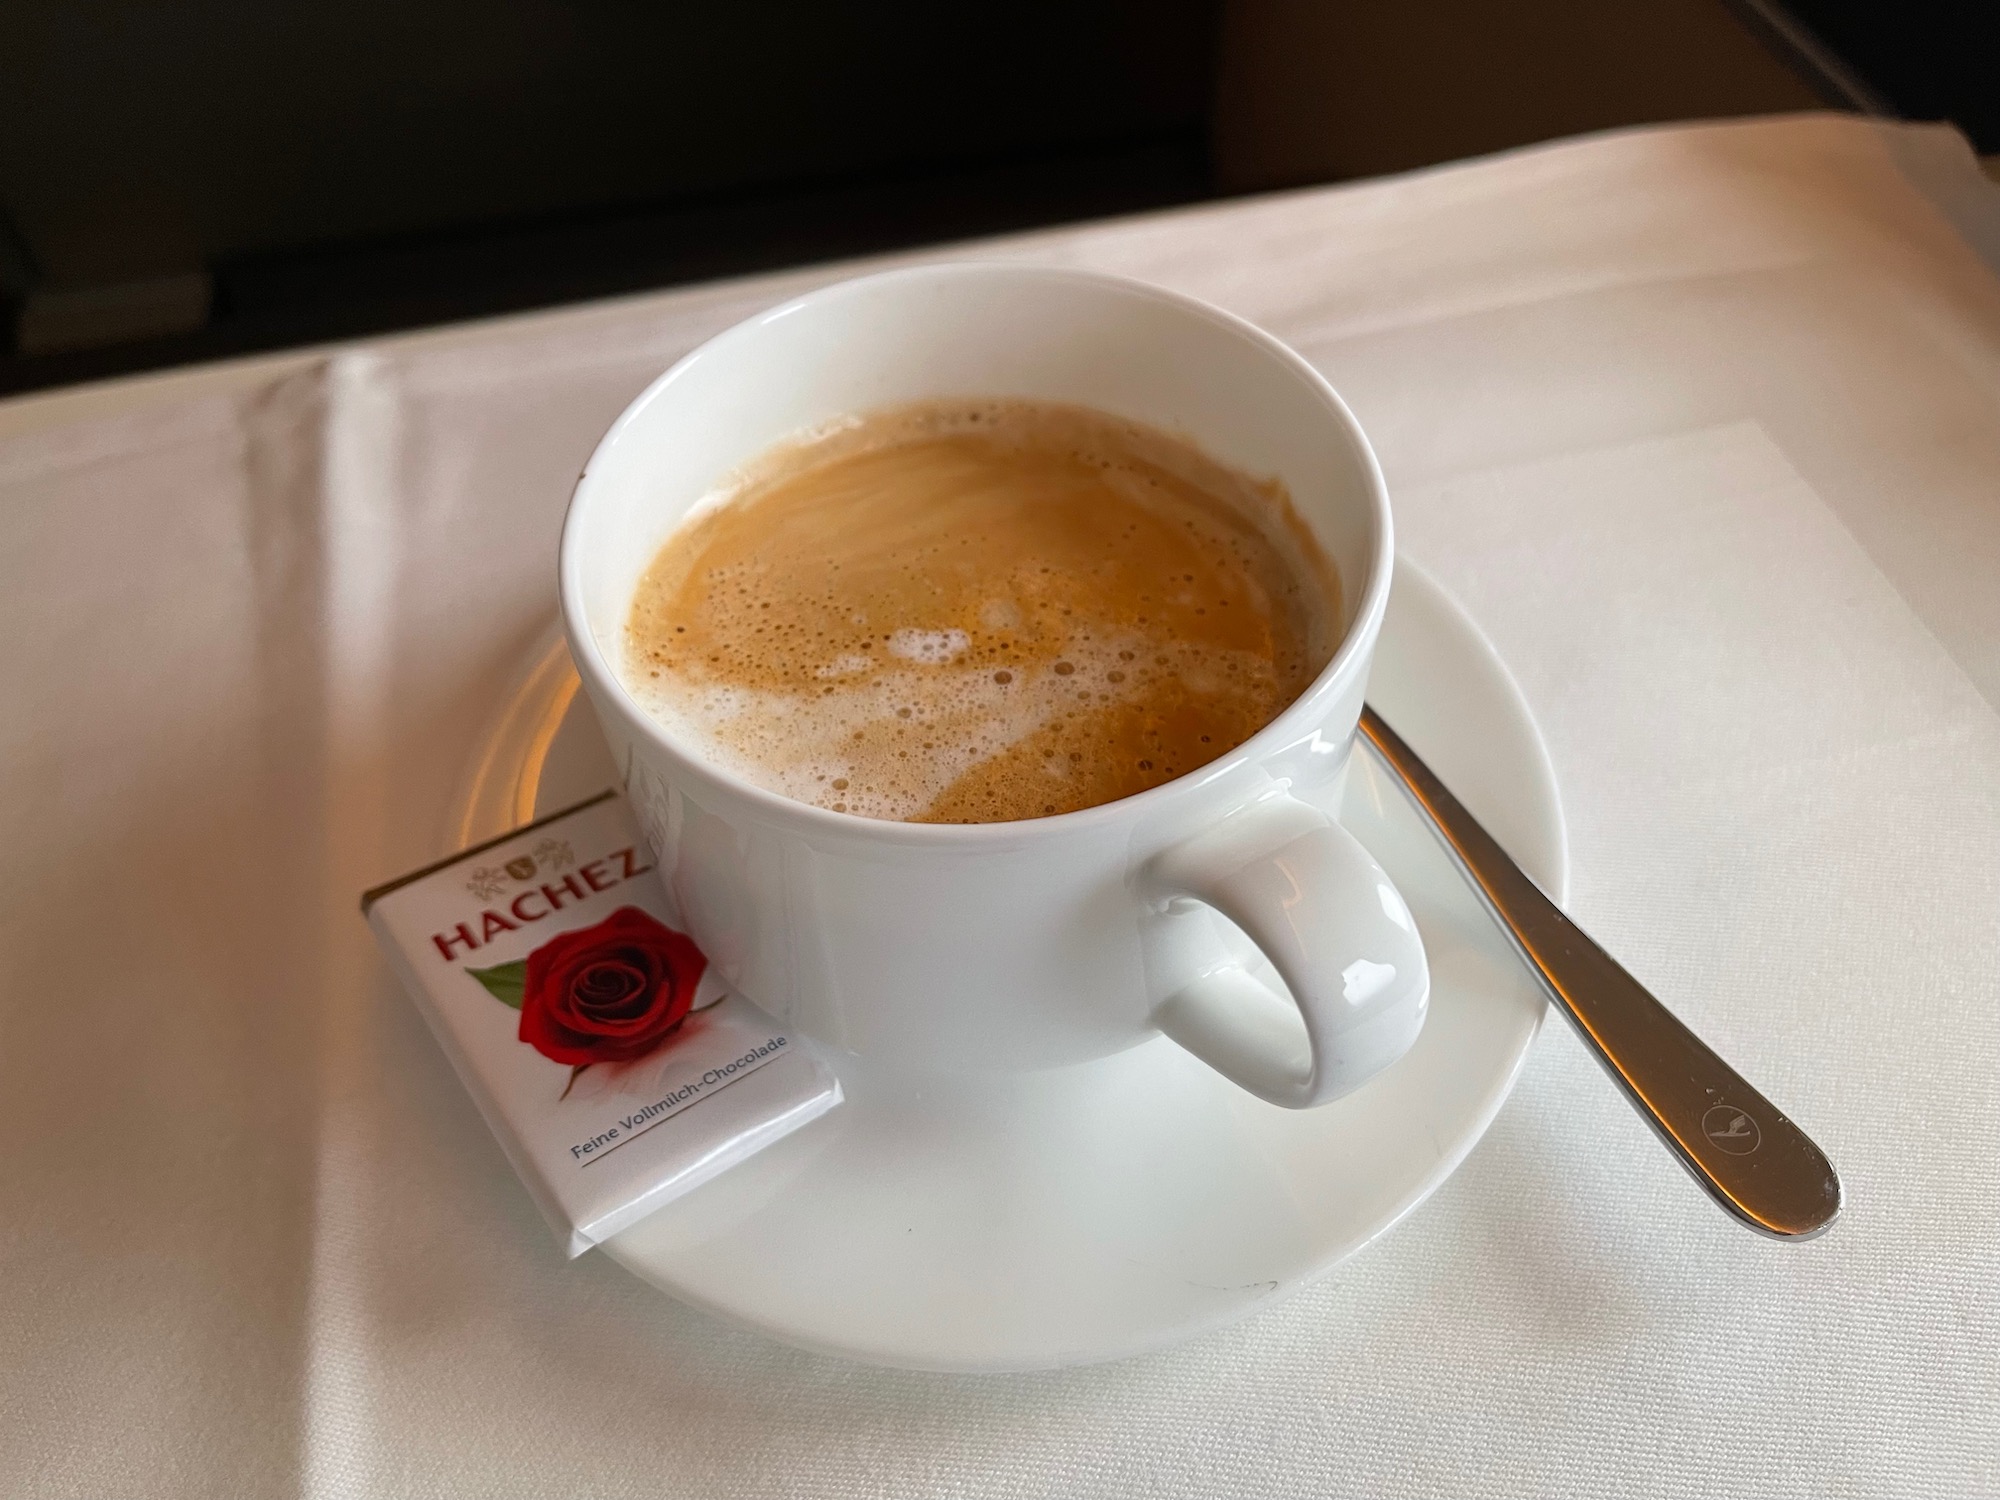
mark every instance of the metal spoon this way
{"type": "Point", "coordinates": [1757, 1164]}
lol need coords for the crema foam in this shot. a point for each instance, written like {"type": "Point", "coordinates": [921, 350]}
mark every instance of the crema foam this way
{"type": "Point", "coordinates": [980, 611]}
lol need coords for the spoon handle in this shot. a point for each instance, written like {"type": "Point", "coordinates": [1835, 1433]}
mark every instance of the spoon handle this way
{"type": "Point", "coordinates": [1753, 1161]}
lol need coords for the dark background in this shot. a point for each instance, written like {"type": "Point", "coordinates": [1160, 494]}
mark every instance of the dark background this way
{"type": "Point", "coordinates": [190, 180]}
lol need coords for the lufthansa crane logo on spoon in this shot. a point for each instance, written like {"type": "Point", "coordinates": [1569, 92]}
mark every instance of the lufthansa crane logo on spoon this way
{"type": "Point", "coordinates": [1731, 1130]}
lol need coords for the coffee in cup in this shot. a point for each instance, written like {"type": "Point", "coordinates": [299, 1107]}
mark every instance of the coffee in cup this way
{"type": "Point", "coordinates": [980, 610]}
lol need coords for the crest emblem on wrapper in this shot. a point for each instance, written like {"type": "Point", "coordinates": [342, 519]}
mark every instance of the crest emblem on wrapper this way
{"type": "Point", "coordinates": [485, 882]}
{"type": "Point", "coordinates": [550, 854]}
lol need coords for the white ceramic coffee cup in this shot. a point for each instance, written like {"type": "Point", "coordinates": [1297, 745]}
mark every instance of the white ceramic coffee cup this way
{"type": "Point", "coordinates": [1060, 939]}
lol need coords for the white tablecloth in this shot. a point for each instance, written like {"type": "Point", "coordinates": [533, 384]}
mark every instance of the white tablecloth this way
{"type": "Point", "coordinates": [1703, 425]}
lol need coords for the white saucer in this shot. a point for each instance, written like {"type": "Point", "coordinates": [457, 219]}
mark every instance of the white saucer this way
{"type": "Point", "coordinates": [1094, 1212]}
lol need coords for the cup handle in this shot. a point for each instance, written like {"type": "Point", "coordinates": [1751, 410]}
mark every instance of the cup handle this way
{"type": "Point", "coordinates": [1333, 925]}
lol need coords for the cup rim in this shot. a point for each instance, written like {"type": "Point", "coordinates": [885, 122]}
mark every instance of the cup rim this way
{"type": "Point", "coordinates": [1347, 658]}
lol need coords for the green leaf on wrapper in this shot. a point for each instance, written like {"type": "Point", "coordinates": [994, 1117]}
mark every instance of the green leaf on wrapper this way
{"type": "Point", "coordinates": [504, 982]}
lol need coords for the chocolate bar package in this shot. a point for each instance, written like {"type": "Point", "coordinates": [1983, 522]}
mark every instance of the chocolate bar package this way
{"type": "Point", "coordinates": [613, 1065]}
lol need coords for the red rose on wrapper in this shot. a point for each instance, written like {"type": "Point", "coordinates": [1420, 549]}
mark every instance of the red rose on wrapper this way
{"type": "Point", "coordinates": [608, 993]}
